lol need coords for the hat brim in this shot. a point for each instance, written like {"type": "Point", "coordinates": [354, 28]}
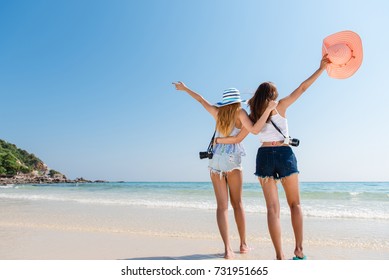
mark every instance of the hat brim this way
{"type": "Point", "coordinates": [353, 41]}
{"type": "Point", "coordinates": [221, 104]}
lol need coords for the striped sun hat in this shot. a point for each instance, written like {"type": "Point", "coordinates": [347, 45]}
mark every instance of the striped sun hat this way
{"type": "Point", "coordinates": [230, 96]}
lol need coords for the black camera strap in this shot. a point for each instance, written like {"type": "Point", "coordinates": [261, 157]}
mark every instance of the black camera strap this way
{"type": "Point", "coordinates": [291, 141]}
{"type": "Point", "coordinates": [276, 127]}
{"type": "Point", "coordinates": [210, 146]}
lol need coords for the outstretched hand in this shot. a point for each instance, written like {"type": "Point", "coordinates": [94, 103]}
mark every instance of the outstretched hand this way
{"type": "Point", "coordinates": [324, 61]}
{"type": "Point", "coordinates": [180, 85]}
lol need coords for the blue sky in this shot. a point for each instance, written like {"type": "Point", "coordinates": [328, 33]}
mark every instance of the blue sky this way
{"type": "Point", "coordinates": [86, 85]}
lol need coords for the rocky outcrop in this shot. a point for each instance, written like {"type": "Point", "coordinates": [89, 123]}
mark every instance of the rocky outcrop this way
{"type": "Point", "coordinates": [33, 179]}
{"type": "Point", "coordinates": [18, 166]}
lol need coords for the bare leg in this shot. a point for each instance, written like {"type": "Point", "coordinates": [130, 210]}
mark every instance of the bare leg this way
{"type": "Point", "coordinates": [221, 193]}
{"type": "Point", "coordinates": [291, 187]}
{"type": "Point", "coordinates": [270, 192]}
{"type": "Point", "coordinates": [235, 182]}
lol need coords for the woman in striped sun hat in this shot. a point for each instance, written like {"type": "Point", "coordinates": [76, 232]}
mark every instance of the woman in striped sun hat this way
{"type": "Point", "coordinates": [225, 166]}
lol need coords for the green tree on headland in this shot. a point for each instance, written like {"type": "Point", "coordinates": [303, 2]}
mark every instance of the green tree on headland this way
{"type": "Point", "coordinates": [15, 161]}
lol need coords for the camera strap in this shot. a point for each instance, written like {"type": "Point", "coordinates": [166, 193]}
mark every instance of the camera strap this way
{"type": "Point", "coordinates": [276, 127]}
{"type": "Point", "coordinates": [210, 146]}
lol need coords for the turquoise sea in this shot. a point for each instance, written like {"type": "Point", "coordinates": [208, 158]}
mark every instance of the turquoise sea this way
{"type": "Point", "coordinates": [344, 200]}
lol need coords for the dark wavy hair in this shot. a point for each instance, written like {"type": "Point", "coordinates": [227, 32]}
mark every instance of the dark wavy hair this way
{"type": "Point", "coordinates": [265, 92]}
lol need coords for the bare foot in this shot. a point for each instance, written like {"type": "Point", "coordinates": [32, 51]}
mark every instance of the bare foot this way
{"type": "Point", "coordinates": [229, 254]}
{"type": "Point", "coordinates": [244, 249]}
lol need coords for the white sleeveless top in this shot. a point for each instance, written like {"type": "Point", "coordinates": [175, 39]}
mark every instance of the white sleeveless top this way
{"type": "Point", "coordinates": [269, 133]}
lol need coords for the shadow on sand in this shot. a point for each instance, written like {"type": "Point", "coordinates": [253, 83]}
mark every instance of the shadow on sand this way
{"type": "Point", "coordinates": [188, 257]}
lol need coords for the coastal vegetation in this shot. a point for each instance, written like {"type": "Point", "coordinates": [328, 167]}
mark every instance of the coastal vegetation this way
{"type": "Point", "coordinates": [15, 161]}
{"type": "Point", "coordinates": [21, 166]}
{"type": "Point", "coordinates": [18, 166]}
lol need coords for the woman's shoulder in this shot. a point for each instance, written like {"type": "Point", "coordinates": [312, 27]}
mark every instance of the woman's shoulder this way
{"type": "Point", "coordinates": [280, 109]}
{"type": "Point", "coordinates": [243, 111]}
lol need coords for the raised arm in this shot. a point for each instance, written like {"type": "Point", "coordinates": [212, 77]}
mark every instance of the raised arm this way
{"type": "Point", "coordinates": [208, 106]}
{"type": "Point", "coordinates": [290, 99]}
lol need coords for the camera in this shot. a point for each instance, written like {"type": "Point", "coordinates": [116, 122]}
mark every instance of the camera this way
{"type": "Point", "coordinates": [294, 142]}
{"type": "Point", "coordinates": [206, 154]}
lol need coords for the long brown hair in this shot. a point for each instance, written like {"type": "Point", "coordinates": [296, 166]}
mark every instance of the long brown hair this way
{"type": "Point", "coordinates": [265, 92]}
{"type": "Point", "coordinates": [226, 118]}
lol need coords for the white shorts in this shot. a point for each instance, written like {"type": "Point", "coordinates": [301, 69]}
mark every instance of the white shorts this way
{"type": "Point", "coordinates": [221, 163]}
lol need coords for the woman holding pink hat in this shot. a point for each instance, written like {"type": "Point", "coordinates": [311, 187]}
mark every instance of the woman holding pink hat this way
{"type": "Point", "coordinates": [275, 158]}
{"type": "Point", "coordinates": [342, 57]}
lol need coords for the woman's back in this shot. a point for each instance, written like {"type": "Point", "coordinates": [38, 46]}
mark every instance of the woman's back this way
{"type": "Point", "coordinates": [236, 148]}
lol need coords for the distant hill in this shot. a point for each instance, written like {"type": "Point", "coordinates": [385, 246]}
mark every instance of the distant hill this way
{"type": "Point", "coordinates": [18, 166]}
{"type": "Point", "coordinates": [15, 161]}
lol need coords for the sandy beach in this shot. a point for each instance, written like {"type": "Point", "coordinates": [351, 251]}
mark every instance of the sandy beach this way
{"type": "Point", "coordinates": [53, 230]}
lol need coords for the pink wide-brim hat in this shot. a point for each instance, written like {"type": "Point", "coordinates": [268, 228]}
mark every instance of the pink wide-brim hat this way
{"type": "Point", "coordinates": [345, 52]}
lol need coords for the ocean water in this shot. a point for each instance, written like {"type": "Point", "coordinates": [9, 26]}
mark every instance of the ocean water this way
{"type": "Point", "coordinates": [343, 200]}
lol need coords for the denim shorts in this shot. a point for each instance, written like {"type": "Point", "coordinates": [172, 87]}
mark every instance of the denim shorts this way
{"type": "Point", "coordinates": [276, 162]}
{"type": "Point", "coordinates": [222, 163]}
